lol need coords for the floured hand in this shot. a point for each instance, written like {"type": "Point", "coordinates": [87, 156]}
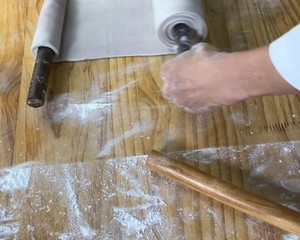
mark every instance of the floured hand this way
{"type": "Point", "coordinates": [203, 78]}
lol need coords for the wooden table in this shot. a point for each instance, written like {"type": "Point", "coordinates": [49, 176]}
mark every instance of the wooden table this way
{"type": "Point", "coordinates": [74, 169]}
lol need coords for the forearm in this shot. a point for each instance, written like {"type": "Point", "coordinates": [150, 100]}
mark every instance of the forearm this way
{"type": "Point", "coordinates": [261, 74]}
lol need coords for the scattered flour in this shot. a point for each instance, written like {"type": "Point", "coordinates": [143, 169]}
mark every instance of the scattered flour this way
{"type": "Point", "coordinates": [129, 217]}
{"type": "Point", "coordinates": [62, 106]}
{"type": "Point", "coordinates": [130, 201]}
{"type": "Point", "coordinates": [76, 220]}
{"type": "Point", "coordinates": [15, 178]}
{"type": "Point", "coordinates": [290, 237]}
{"type": "Point", "coordinates": [81, 111]}
{"type": "Point", "coordinates": [136, 129]}
{"type": "Point", "coordinates": [134, 226]}
{"type": "Point", "coordinates": [9, 230]}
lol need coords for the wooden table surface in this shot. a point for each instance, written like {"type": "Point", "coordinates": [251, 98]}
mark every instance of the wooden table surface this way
{"type": "Point", "coordinates": [74, 169]}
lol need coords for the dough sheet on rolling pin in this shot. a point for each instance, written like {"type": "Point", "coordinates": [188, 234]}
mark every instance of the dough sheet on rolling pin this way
{"type": "Point", "coordinates": [94, 29]}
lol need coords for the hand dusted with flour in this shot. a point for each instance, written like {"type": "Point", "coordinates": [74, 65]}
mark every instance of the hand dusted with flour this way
{"type": "Point", "coordinates": [203, 78]}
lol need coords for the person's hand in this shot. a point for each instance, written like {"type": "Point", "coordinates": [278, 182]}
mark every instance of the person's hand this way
{"type": "Point", "coordinates": [203, 78]}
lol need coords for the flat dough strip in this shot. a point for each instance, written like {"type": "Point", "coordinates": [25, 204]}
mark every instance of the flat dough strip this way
{"type": "Point", "coordinates": [94, 29]}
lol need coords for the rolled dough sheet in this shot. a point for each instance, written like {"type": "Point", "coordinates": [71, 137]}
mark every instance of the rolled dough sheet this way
{"type": "Point", "coordinates": [109, 28]}
{"type": "Point", "coordinates": [94, 29]}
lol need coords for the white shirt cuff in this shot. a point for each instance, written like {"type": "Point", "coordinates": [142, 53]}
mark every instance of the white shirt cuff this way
{"type": "Point", "coordinates": [285, 56]}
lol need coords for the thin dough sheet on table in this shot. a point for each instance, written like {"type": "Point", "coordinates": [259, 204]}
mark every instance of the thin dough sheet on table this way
{"type": "Point", "coordinates": [101, 28]}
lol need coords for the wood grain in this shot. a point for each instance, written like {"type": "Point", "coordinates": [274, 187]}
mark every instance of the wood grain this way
{"type": "Point", "coordinates": [225, 193]}
{"type": "Point", "coordinates": [113, 108]}
{"type": "Point", "coordinates": [12, 34]}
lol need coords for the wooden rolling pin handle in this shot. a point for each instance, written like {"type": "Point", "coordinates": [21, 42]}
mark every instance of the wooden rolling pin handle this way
{"type": "Point", "coordinates": [272, 213]}
{"type": "Point", "coordinates": [40, 77]}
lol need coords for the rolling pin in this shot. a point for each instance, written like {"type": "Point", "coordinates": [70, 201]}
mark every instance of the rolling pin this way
{"type": "Point", "coordinates": [40, 77]}
{"type": "Point", "coordinates": [46, 46]}
{"type": "Point", "coordinates": [250, 204]}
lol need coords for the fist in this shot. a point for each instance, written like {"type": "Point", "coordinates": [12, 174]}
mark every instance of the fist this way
{"type": "Point", "coordinates": [202, 79]}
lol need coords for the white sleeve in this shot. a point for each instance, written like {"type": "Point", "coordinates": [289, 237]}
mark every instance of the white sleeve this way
{"type": "Point", "coordinates": [285, 56]}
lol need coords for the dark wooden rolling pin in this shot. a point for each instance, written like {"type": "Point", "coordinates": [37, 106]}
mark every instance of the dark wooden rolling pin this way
{"type": "Point", "coordinates": [272, 213]}
{"type": "Point", "coordinates": [40, 77]}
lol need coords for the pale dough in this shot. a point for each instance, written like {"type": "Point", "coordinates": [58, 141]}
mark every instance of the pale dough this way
{"type": "Point", "coordinates": [93, 29]}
